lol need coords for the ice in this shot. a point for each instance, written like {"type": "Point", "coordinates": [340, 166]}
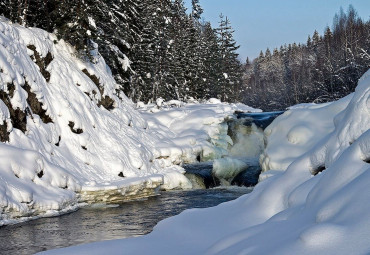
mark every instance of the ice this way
{"type": "Point", "coordinates": [248, 140]}
{"type": "Point", "coordinates": [197, 182]}
{"type": "Point", "coordinates": [176, 180]}
{"type": "Point", "coordinates": [225, 169]}
{"type": "Point", "coordinates": [190, 132]}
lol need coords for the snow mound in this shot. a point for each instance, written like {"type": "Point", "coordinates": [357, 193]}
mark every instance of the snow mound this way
{"type": "Point", "coordinates": [297, 131]}
{"type": "Point", "coordinates": [319, 205]}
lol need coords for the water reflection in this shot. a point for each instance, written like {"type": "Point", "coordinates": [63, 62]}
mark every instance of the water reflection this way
{"type": "Point", "coordinates": [91, 224]}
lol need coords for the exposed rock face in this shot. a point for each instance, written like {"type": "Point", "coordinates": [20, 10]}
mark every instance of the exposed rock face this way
{"type": "Point", "coordinates": [17, 116]}
{"type": "Point", "coordinates": [41, 62]}
{"type": "Point", "coordinates": [71, 125]}
{"type": "Point", "coordinates": [105, 101]}
{"type": "Point", "coordinates": [35, 105]}
{"type": "Point", "coordinates": [4, 134]}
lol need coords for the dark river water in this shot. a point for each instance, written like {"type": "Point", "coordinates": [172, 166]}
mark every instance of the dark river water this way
{"type": "Point", "coordinates": [99, 223]}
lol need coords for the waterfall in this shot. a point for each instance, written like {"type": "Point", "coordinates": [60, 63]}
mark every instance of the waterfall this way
{"type": "Point", "coordinates": [248, 140]}
{"type": "Point", "coordinates": [241, 165]}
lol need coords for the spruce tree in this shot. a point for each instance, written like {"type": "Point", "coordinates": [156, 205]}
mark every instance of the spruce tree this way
{"type": "Point", "coordinates": [197, 10]}
{"type": "Point", "coordinates": [230, 81]}
{"type": "Point", "coordinates": [212, 67]}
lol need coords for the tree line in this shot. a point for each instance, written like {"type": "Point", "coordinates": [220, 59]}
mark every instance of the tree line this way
{"type": "Point", "coordinates": [324, 69]}
{"type": "Point", "coordinates": [153, 47]}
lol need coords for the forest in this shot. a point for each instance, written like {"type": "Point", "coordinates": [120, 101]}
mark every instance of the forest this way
{"type": "Point", "coordinates": [324, 69]}
{"type": "Point", "coordinates": [153, 47]}
{"type": "Point", "coordinates": [157, 48]}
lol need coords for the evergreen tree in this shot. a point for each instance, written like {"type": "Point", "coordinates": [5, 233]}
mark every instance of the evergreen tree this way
{"type": "Point", "coordinates": [230, 81]}
{"type": "Point", "coordinates": [196, 9]}
{"type": "Point", "coordinates": [152, 51]}
{"type": "Point", "coordinates": [180, 41]}
{"type": "Point", "coordinates": [212, 68]}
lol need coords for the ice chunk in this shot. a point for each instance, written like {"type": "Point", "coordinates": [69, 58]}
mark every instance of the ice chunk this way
{"type": "Point", "coordinates": [227, 168]}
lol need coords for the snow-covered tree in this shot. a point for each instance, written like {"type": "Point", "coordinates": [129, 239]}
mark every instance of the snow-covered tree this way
{"type": "Point", "coordinates": [197, 10]}
{"type": "Point", "coordinates": [325, 69]}
{"type": "Point", "coordinates": [230, 81]}
{"type": "Point", "coordinates": [154, 48]}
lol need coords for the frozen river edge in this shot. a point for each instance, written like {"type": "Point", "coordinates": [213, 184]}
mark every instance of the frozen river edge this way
{"type": "Point", "coordinates": [130, 189]}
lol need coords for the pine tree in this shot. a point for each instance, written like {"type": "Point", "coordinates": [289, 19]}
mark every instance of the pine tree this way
{"type": "Point", "coordinates": [180, 45]}
{"type": "Point", "coordinates": [114, 36]}
{"type": "Point", "coordinates": [152, 52]}
{"type": "Point", "coordinates": [154, 48]}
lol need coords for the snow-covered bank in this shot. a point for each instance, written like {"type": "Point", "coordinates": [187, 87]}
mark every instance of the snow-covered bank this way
{"type": "Point", "coordinates": [64, 128]}
{"type": "Point", "coordinates": [68, 135]}
{"type": "Point", "coordinates": [319, 205]}
{"type": "Point", "coordinates": [198, 132]}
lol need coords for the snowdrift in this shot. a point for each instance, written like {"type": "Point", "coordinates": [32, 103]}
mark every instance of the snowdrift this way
{"type": "Point", "coordinates": [297, 131]}
{"type": "Point", "coordinates": [319, 205]}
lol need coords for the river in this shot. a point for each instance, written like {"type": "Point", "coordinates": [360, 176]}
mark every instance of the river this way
{"type": "Point", "coordinates": [98, 223]}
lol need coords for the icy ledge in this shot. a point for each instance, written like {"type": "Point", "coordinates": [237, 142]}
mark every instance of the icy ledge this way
{"type": "Point", "coordinates": [122, 191]}
{"type": "Point", "coordinates": [190, 132]}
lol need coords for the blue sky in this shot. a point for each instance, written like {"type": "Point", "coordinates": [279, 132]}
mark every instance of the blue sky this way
{"type": "Point", "coordinates": [260, 24]}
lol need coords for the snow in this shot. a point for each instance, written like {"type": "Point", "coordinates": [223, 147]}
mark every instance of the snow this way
{"type": "Point", "coordinates": [296, 211]}
{"type": "Point", "coordinates": [88, 151]}
{"type": "Point", "coordinates": [297, 131]}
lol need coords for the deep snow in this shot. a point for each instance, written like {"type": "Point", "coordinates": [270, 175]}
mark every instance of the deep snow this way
{"type": "Point", "coordinates": [318, 205]}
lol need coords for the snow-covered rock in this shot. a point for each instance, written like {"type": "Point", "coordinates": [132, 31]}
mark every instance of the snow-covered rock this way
{"type": "Point", "coordinates": [319, 205]}
{"type": "Point", "coordinates": [225, 169]}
